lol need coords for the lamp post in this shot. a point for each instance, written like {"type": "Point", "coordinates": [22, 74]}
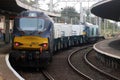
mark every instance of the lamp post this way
{"type": "Point", "coordinates": [99, 25]}
{"type": "Point", "coordinates": [81, 12]}
{"type": "Point", "coordinates": [51, 5]}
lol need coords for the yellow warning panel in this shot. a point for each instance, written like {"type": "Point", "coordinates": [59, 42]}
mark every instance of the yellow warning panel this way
{"type": "Point", "coordinates": [1, 78]}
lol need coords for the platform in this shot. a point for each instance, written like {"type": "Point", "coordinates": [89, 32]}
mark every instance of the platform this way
{"type": "Point", "coordinates": [109, 47]}
{"type": "Point", "coordinates": [108, 52]}
{"type": "Point", "coordinates": [5, 72]}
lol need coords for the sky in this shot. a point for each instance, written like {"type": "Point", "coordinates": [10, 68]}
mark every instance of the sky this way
{"type": "Point", "coordinates": [76, 5]}
{"type": "Point", "coordinates": [59, 4]}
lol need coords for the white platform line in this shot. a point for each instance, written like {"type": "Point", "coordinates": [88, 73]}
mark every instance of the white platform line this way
{"type": "Point", "coordinates": [10, 67]}
{"type": "Point", "coordinates": [105, 53]}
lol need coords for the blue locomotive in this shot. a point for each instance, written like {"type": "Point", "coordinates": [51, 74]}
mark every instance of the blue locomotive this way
{"type": "Point", "coordinates": [35, 38]}
{"type": "Point", "coordinates": [32, 39]}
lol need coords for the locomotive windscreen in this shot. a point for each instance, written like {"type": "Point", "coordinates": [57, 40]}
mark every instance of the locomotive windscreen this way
{"type": "Point", "coordinates": [32, 24]}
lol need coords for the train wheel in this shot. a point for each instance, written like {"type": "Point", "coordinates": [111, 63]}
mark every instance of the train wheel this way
{"type": "Point", "coordinates": [55, 49]}
{"type": "Point", "coordinates": [69, 44]}
{"type": "Point", "coordinates": [77, 43]}
{"type": "Point", "coordinates": [66, 45]}
{"type": "Point", "coordinates": [59, 46]}
{"type": "Point", "coordinates": [74, 44]}
{"type": "Point", "coordinates": [51, 58]}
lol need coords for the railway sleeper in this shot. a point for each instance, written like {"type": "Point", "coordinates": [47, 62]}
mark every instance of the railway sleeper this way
{"type": "Point", "coordinates": [108, 61]}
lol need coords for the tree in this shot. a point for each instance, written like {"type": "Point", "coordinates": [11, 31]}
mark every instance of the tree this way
{"type": "Point", "coordinates": [29, 2]}
{"type": "Point", "coordinates": [69, 15]}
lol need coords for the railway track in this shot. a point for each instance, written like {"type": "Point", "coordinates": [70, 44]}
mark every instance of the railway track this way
{"type": "Point", "coordinates": [47, 75]}
{"type": "Point", "coordinates": [59, 69]}
{"type": "Point", "coordinates": [80, 65]}
{"type": "Point", "coordinates": [35, 74]}
{"type": "Point", "coordinates": [102, 69]}
{"type": "Point", "coordinates": [74, 68]}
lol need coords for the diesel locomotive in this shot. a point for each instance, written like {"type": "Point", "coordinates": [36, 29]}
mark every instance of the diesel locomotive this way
{"type": "Point", "coordinates": [32, 39]}
{"type": "Point", "coordinates": [36, 37]}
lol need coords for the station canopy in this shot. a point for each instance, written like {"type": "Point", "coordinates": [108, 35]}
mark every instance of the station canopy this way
{"type": "Point", "coordinates": [109, 9]}
{"type": "Point", "coordinates": [9, 7]}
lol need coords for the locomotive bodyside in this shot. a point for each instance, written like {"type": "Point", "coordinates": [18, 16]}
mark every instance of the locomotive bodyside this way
{"type": "Point", "coordinates": [32, 42]}
{"type": "Point", "coordinates": [62, 36]}
{"type": "Point", "coordinates": [66, 33]}
{"type": "Point", "coordinates": [57, 36]}
{"type": "Point", "coordinates": [92, 32]}
{"type": "Point", "coordinates": [78, 34]}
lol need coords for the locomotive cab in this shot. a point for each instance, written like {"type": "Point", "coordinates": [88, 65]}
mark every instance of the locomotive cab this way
{"type": "Point", "coordinates": [32, 40]}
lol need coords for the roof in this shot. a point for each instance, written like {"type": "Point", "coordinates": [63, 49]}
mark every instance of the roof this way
{"type": "Point", "coordinates": [9, 7]}
{"type": "Point", "coordinates": [12, 7]}
{"type": "Point", "coordinates": [109, 9]}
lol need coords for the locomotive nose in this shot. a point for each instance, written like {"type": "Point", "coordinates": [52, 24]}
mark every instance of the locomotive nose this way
{"type": "Point", "coordinates": [30, 43]}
